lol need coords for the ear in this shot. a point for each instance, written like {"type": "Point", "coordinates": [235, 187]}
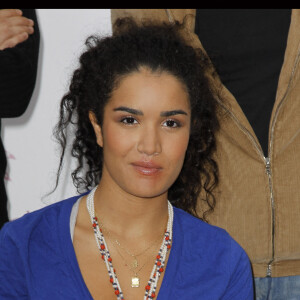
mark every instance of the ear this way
{"type": "Point", "coordinates": [97, 128]}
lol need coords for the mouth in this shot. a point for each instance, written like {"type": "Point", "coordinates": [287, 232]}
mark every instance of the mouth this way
{"type": "Point", "coordinates": [147, 168]}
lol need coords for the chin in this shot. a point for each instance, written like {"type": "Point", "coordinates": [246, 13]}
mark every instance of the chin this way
{"type": "Point", "coordinates": [148, 193]}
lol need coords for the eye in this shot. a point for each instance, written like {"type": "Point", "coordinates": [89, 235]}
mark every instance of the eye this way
{"type": "Point", "coordinates": [129, 120]}
{"type": "Point", "coordinates": [171, 123]}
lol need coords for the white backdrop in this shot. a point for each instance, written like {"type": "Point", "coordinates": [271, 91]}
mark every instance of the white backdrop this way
{"type": "Point", "coordinates": [31, 150]}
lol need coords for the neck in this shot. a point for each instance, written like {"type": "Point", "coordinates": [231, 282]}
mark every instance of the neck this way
{"type": "Point", "coordinates": [128, 215]}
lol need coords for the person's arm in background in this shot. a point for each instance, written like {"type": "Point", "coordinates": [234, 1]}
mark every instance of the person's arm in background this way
{"type": "Point", "coordinates": [19, 47]}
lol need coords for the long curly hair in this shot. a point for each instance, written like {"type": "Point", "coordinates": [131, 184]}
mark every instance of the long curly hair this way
{"type": "Point", "coordinates": [158, 47]}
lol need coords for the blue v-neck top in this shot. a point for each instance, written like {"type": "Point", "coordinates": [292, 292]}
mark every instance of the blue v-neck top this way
{"type": "Point", "coordinates": [38, 261]}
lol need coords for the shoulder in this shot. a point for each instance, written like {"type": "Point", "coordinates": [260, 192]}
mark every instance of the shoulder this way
{"type": "Point", "coordinates": [34, 250]}
{"type": "Point", "coordinates": [43, 220]}
{"type": "Point", "coordinates": [198, 230]}
{"type": "Point", "coordinates": [216, 254]}
{"type": "Point", "coordinates": [205, 237]}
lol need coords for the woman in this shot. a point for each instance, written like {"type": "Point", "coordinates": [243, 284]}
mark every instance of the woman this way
{"type": "Point", "coordinates": [145, 121]}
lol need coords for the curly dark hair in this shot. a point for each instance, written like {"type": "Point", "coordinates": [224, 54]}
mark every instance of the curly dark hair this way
{"type": "Point", "coordinates": [158, 47]}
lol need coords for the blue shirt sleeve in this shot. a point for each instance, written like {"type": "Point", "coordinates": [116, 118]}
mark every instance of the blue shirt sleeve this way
{"type": "Point", "coordinates": [12, 271]}
{"type": "Point", "coordinates": [240, 286]}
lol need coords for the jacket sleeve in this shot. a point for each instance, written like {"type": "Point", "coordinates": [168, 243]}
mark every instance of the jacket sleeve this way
{"type": "Point", "coordinates": [12, 275]}
{"type": "Point", "coordinates": [18, 69]}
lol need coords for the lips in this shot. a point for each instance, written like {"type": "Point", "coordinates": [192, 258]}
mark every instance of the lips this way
{"type": "Point", "coordinates": [147, 168]}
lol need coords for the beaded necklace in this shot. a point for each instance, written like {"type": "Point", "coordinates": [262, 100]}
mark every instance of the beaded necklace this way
{"type": "Point", "coordinates": [159, 264]}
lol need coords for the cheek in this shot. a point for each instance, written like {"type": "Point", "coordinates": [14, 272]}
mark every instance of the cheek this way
{"type": "Point", "coordinates": [116, 141]}
{"type": "Point", "coordinates": [176, 148]}
{"type": "Point", "coordinates": [175, 153]}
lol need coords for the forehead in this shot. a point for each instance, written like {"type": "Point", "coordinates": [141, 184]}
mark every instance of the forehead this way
{"type": "Point", "coordinates": [145, 90]}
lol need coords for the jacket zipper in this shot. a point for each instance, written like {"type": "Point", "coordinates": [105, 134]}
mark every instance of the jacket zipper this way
{"type": "Point", "coordinates": [268, 172]}
{"type": "Point", "coordinates": [268, 165]}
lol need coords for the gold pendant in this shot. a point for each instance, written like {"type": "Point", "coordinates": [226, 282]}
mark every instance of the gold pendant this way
{"type": "Point", "coordinates": [135, 282]}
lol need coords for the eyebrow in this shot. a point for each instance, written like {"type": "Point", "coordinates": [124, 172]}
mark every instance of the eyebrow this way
{"type": "Point", "coordinates": [140, 113]}
{"type": "Point", "coordinates": [172, 113]}
{"type": "Point", "coordinates": [129, 110]}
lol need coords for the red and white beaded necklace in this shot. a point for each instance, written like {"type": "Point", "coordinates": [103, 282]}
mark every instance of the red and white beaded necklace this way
{"type": "Point", "coordinates": [159, 264]}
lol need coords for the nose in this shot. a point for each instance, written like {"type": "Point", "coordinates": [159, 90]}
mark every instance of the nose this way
{"type": "Point", "coordinates": [149, 141]}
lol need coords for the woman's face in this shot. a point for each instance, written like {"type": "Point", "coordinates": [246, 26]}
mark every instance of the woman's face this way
{"type": "Point", "coordinates": [145, 133]}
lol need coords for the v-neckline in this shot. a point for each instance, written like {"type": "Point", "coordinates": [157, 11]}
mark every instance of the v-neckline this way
{"type": "Point", "coordinates": [71, 259]}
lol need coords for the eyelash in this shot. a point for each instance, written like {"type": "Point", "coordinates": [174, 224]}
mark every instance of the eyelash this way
{"type": "Point", "coordinates": [125, 121]}
{"type": "Point", "coordinates": [127, 118]}
{"type": "Point", "coordinates": [177, 123]}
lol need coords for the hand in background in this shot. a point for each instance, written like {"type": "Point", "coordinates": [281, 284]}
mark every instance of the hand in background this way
{"type": "Point", "coordinates": [14, 28]}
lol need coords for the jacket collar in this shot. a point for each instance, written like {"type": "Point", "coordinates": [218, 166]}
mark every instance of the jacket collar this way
{"type": "Point", "coordinates": [226, 99]}
{"type": "Point", "coordinates": [291, 57]}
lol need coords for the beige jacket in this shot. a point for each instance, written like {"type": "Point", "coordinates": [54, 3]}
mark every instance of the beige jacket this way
{"type": "Point", "coordinates": [258, 198]}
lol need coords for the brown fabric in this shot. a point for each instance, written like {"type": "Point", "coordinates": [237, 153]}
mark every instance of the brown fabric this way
{"type": "Point", "coordinates": [244, 206]}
